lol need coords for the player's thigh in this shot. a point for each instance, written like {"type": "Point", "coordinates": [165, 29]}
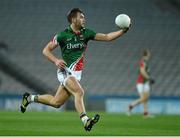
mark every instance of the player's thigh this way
{"type": "Point", "coordinates": [61, 95]}
{"type": "Point", "coordinates": [141, 90]}
{"type": "Point", "coordinates": [73, 85]}
{"type": "Point", "coordinates": [139, 87]}
{"type": "Point", "coordinates": [146, 89]}
{"type": "Point", "coordinates": [145, 95]}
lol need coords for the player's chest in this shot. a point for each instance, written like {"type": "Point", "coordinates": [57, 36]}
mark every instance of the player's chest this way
{"type": "Point", "coordinates": [74, 42]}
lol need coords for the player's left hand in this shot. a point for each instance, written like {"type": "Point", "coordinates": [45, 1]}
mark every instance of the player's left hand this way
{"type": "Point", "coordinates": [126, 29]}
{"type": "Point", "coordinates": [152, 81]}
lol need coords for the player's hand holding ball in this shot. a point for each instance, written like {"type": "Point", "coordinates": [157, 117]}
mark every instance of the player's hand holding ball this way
{"type": "Point", "coordinates": [123, 21]}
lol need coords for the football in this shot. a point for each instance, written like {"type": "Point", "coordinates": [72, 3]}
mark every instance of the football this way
{"type": "Point", "coordinates": [123, 21]}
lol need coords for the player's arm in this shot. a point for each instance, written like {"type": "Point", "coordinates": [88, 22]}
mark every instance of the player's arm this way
{"type": "Point", "coordinates": [144, 73]}
{"type": "Point", "coordinates": [47, 52]}
{"type": "Point", "coordinates": [110, 36]}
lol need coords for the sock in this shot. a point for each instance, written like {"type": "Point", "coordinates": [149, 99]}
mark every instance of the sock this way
{"type": "Point", "coordinates": [34, 98]}
{"type": "Point", "coordinates": [130, 107]}
{"type": "Point", "coordinates": [84, 117]}
{"type": "Point", "coordinates": [145, 113]}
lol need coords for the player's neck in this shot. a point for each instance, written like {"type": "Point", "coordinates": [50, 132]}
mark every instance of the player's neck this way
{"type": "Point", "coordinates": [75, 28]}
{"type": "Point", "coordinates": [145, 58]}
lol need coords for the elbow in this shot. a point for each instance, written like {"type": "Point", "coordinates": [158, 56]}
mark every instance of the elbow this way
{"type": "Point", "coordinates": [44, 51]}
{"type": "Point", "coordinates": [108, 38]}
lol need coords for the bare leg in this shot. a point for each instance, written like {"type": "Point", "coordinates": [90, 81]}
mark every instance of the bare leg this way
{"type": "Point", "coordinates": [137, 101]}
{"type": "Point", "coordinates": [71, 86]}
{"type": "Point", "coordinates": [77, 91]}
{"type": "Point", "coordinates": [56, 101]}
{"type": "Point", "coordinates": [74, 87]}
{"type": "Point", "coordinates": [145, 103]}
{"type": "Point", "coordinates": [142, 99]}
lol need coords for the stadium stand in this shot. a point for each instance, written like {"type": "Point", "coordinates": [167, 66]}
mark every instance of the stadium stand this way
{"type": "Point", "coordinates": [111, 68]}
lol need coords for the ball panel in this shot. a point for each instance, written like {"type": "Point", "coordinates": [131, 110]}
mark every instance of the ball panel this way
{"type": "Point", "coordinates": [123, 21]}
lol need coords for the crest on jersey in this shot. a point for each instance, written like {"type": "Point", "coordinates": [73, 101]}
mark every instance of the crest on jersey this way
{"type": "Point", "coordinates": [81, 37]}
{"type": "Point", "coordinates": [69, 39]}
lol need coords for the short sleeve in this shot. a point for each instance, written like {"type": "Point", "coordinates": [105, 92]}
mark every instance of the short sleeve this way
{"type": "Point", "coordinates": [54, 40]}
{"type": "Point", "coordinates": [57, 39]}
{"type": "Point", "coordinates": [91, 34]}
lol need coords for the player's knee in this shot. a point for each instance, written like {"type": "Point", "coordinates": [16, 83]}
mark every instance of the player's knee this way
{"type": "Point", "coordinates": [143, 99]}
{"type": "Point", "coordinates": [146, 99]}
{"type": "Point", "coordinates": [80, 92]}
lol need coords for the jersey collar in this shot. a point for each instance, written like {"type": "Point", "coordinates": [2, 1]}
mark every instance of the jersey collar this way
{"type": "Point", "coordinates": [71, 31]}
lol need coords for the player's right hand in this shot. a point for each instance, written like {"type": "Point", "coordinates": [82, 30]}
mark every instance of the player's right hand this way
{"type": "Point", "coordinates": [152, 81]}
{"type": "Point", "coordinates": [61, 64]}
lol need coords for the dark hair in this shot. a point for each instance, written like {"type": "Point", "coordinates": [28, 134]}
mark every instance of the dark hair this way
{"type": "Point", "coordinates": [73, 13]}
{"type": "Point", "coordinates": [145, 52]}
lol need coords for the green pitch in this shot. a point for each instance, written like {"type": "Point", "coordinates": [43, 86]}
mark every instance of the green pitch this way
{"type": "Point", "coordinates": [68, 123]}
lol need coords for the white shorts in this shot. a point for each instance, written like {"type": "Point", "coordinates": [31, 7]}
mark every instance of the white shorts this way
{"type": "Point", "coordinates": [143, 87]}
{"type": "Point", "coordinates": [62, 75]}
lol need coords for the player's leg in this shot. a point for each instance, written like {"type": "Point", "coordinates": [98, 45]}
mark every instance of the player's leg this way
{"type": "Point", "coordinates": [140, 88]}
{"type": "Point", "coordinates": [143, 97]}
{"type": "Point", "coordinates": [146, 95]}
{"type": "Point", "coordinates": [74, 87]}
{"type": "Point", "coordinates": [134, 104]}
{"type": "Point", "coordinates": [55, 101]}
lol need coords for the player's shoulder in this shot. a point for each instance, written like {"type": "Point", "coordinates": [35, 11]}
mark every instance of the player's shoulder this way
{"type": "Point", "coordinates": [87, 29]}
{"type": "Point", "coordinates": [89, 32]}
{"type": "Point", "coordinates": [141, 62]}
{"type": "Point", "coordinates": [61, 34]}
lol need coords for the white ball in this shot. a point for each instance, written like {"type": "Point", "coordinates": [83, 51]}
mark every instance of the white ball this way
{"type": "Point", "coordinates": [123, 21]}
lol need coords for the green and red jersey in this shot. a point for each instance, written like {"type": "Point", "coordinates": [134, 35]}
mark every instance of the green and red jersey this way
{"type": "Point", "coordinates": [73, 46]}
{"type": "Point", "coordinates": [143, 63]}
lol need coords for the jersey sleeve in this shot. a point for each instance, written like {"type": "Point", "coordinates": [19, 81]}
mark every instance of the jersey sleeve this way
{"type": "Point", "coordinates": [91, 34]}
{"type": "Point", "coordinates": [54, 40]}
{"type": "Point", "coordinates": [57, 39]}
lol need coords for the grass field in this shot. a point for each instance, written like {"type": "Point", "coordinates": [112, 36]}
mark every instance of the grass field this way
{"type": "Point", "coordinates": [68, 124]}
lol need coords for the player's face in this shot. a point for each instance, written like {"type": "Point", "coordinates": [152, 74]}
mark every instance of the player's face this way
{"type": "Point", "coordinates": [148, 56]}
{"type": "Point", "coordinates": [80, 20]}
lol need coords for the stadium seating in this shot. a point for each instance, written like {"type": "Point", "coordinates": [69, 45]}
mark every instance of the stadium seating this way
{"type": "Point", "coordinates": [110, 68]}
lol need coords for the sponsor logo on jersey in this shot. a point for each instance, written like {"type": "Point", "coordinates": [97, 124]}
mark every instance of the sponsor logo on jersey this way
{"type": "Point", "coordinates": [75, 46]}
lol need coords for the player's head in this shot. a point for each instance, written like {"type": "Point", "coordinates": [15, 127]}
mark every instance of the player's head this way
{"type": "Point", "coordinates": [146, 54]}
{"type": "Point", "coordinates": [76, 17]}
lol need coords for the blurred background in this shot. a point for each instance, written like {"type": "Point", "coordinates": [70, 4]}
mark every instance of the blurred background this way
{"type": "Point", "coordinates": [111, 69]}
